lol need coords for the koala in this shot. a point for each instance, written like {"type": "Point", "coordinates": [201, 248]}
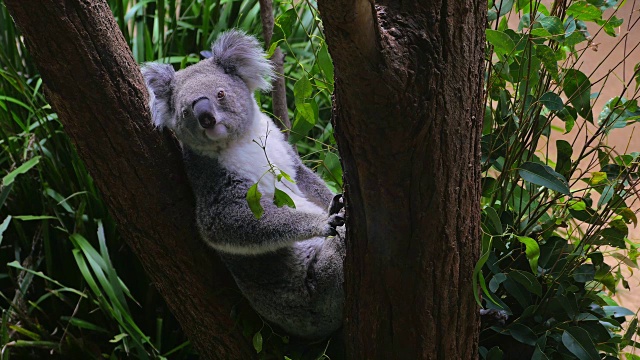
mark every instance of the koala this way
{"type": "Point", "coordinates": [288, 262]}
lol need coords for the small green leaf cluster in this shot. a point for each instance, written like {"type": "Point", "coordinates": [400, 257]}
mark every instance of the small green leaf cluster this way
{"type": "Point", "coordinates": [555, 213]}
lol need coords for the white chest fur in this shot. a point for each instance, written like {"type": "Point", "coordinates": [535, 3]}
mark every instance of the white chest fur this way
{"type": "Point", "coordinates": [246, 157]}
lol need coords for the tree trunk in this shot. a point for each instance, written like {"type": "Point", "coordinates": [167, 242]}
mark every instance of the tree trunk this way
{"type": "Point", "coordinates": [408, 118]}
{"type": "Point", "coordinates": [96, 88]}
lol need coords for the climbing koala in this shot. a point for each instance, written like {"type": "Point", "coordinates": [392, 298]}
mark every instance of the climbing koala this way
{"type": "Point", "coordinates": [288, 262]}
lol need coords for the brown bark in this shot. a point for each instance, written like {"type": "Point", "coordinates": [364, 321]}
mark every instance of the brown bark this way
{"type": "Point", "coordinates": [279, 93]}
{"type": "Point", "coordinates": [408, 120]}
{"type": "Point", "coordinates": [97, 90]}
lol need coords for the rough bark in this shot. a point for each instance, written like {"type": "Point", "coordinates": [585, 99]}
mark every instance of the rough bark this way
{"type": "Point", "coordinates": [96, 88]}
{"type": "Point", "coordinates": [279, 93]}
{"type": "Point", "coordinates": [407, 117]}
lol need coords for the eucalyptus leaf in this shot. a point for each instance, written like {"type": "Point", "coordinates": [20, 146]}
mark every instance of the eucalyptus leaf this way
{"type": "Point", "coordinates": [528, 280]}
{"type": "Point", "coordinates": [543, 175]}
{"type": "Point", "coordinates": [502, 43]}
{"type": "Point", "coordinates": [563, 161]}
{"type": "Point", "coordinates": [579, 343]}
{"type": "Point", "coordinates": [577, 87]}
{"type": "Point", "coordinates": [257, 342]}
{"type": "Point", "coordinates": [253, 199]}
{"type": "Point", "coordinates": [532, 251]}
{"type": "Point", "coordinates": [584, 11]}
{"type": "Point", "coordinates": [584, 273]}
{"type": "Point", "coordinates": [494, 354]}
{"type": "Point", "coordinates": [523, 334]}
{"type": "Point", "coordinates": [552, 101]}
{"type": "Point", "coordinates": [281, 198]}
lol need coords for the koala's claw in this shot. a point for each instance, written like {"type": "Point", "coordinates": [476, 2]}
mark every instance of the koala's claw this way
{"type": "Point", "coordinates": [337, 203]}
{"type": "Point", "coordinates": [335, 220]}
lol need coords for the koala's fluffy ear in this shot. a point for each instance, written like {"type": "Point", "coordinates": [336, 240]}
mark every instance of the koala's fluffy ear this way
{"type": "Point", "coordinates": [241, 54]}
{"type": "Point", "coordinates": [159, 79]}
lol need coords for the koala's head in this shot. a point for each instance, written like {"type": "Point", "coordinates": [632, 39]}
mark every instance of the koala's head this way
{"type": "Point", "coordinates": [210, 103]}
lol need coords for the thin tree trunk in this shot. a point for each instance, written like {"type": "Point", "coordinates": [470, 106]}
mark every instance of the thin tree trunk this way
{"type": "Point", "coordinates": [279, 93]}
{"type": "Point", "coordinates": [97, 90]}
{"type": "Point", "coordinates": [408, 120]}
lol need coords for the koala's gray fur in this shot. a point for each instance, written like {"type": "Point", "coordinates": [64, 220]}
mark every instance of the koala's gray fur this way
{"type": "Point", "coordinates": [287, 263]}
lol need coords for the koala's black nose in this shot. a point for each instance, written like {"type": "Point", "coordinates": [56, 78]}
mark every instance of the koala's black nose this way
{"type": "Point", "coordinates": [203, 112]}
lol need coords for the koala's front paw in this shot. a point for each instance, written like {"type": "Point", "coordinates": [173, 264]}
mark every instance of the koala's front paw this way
{"type": "Point", "coordinates": [337, 203]}
{"type": "Point", "coordinates": [335, 221]}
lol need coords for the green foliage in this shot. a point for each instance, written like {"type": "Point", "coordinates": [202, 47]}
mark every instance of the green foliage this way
{"type": "Point", "coordinates": [550, 221]}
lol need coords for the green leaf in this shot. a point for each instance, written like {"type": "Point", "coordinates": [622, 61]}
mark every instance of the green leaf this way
{"type": "Point", "coordinates": [305, 119]}
{"type": "Point", "coordinates": [83, 324]}
{"type": "Point", "coordinates": [523, 334]}
{"type": "Point", "coordinates": [607, 194]}
{"type": "Point", "coordinates": [253, 199]}
{"type": "Point", "coordinates": [532, 251]}
{"type": "Point", "coordinates": [286, 20]}
{"type": "Point", "coordinates": [631, 329]}
{"type": "Point", "coordinates": [617, 311]}
{"type": "Point", "coordinates": [281, 198]}
{"type": "Point", "coordinates": [502, 43]}
{"type": "Point", "coordinates": [302, 90]}
{"type": "Point", "coordinates": [10, 177]}
{"type": "Point", "coordinates": [34, 217]}
{"type": "Point", "coordinates": [552, 24]}
{"type": "Point", "coordinates": [548, 58]}
{"type": "Point", "coordinates": [584, 273]}
{"type": "Point", "coordinates": [479, 277]}
{"type": "Point", "coordinates": [499, 8]}
{"type": "Point", "coordinates": [332, 162]}
{"type": "Point", "coordinates": [326, 65]}
{"type": "Point", "coordinates": [577, 87]}
{"type": "Point", "coordinates": [538, 353]}
{"type": "Point", "coordinates": [491, 221]}
{"type": "Point", "coordinates": [598, 177]}
{"type": "Point", "coordinates": [4, 226]}
{"type": "Point", "coordinates": [609, 25]}
{"type": "Point", "coordinates": [543, 175]}
{"type": "Point", "coordinates": [282, 174]}
{"type": "Point", "coordinates": [496, 280]}
{"type": "Point", "coordinates": [494, 354]}
{"type": "Point", "coordinates": [552, 101]}
{"type": "Point", "coordinates": [528, 280]}
{"type": "Point", "coordinates": [614, 237]}
{"type": "Point", "coordinates": [257, 342]}
{"type": "Point", "coordinates": [584, 11]}
{"type": "Point", "coordinates": [618, 113]}
{"type": "Point", "coordinates": [579, 343]}
{"type": "Point", "coordinates": [25, 332]}
{"type": "Point", "coordinates": [118, 338]}
{"type": "Point", "coordinates": [563, 161]}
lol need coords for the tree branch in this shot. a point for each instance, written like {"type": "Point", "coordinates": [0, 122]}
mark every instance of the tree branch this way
{"type": "Point", "coordinates": [97, 90]}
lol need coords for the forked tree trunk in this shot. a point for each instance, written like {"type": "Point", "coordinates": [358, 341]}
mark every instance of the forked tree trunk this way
{"type": "Point", "coordinates": [407, 117]}
{"type": "Point", "coordinates": [408, 120]}
{"type": "Point", "coordinates": [96, 88]}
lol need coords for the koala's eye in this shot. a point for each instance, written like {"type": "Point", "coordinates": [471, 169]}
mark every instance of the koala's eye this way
{"type": "Point", "coordinates": [221, 94]}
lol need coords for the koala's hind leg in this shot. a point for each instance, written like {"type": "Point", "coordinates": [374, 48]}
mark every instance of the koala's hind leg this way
{"type": "Point", "coordinates": [298, 288]}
